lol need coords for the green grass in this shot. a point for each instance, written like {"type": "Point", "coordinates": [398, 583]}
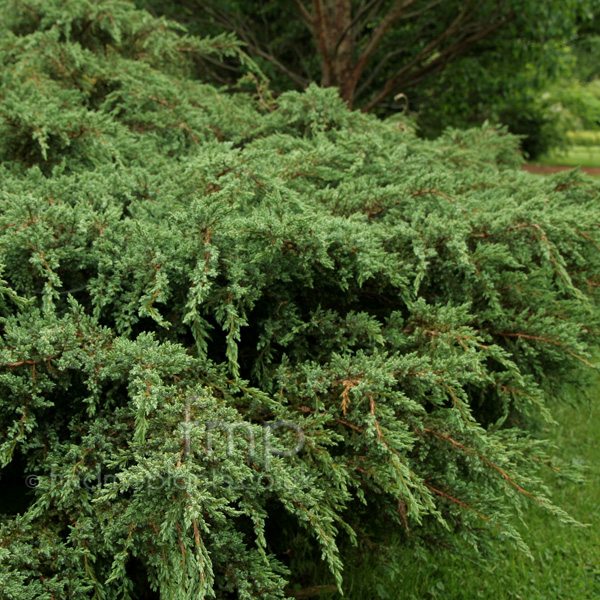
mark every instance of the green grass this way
{"type": "Point", "coordinates": [573, 156]}
{"type": "Point", "coordinates": [566, 559]}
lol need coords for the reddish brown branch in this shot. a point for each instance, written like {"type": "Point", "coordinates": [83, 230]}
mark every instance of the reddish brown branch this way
{"type": "Point", "coordinates": [548, 341]}
{"type": "Point", "coordinates": [444, 55]}
{"type": "Point", "coordinates": [483, 459]}
{"type": "Point", "coordinates": [436, 192]}
{"type": "Point", "coordinates": [378, 34]}
{"type": "Point", "coordinates": [304, 13]}
{"type": "Point", "coordinates": [455, 500]}
{"type": "Point", "coordinates": [319, 27]}
{"type": "Point", "coordinates": [30, 362]}
{"type": "Point", "coordinates": [372, 405]}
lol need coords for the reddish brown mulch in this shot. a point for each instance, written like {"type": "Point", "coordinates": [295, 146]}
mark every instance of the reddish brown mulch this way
{"type": "Point", "coordinates": [548, 169]}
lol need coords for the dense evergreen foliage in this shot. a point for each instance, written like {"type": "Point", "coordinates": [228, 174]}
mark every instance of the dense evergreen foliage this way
{"type": "Point", "coordinates": [240, 335]}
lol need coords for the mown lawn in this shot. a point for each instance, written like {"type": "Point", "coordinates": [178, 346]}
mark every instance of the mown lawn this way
{"type": "Point", "coordinates": [566, 559]}
{"type": "Point", "coordinates": [573, 156]}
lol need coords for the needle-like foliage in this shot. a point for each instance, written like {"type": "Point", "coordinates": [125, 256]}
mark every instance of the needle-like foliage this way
{"type": "Point", "coordinates": [228, 321]}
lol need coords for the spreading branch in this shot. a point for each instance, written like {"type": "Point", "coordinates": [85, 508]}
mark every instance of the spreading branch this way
{"type": "Point", "coordinates": [406, 75]}
{"type": "Point", "coordinates": [304, 13]}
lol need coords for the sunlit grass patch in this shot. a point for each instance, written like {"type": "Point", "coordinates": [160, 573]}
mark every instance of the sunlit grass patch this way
{"type": "Point", "coordinates": [573, 156]}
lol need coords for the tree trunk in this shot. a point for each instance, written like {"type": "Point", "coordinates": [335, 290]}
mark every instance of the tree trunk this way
{"type": "Point", "coordinates": [332, 20]}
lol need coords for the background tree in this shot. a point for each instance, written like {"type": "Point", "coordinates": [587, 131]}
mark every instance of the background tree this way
{"type": "Point", "coordinates": [371, 50]}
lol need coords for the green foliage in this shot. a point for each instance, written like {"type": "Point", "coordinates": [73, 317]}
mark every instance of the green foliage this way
{"type": "Point", "coordinates": [584, 138]}
{"type": "Point", "coordinates": [233, 330]}
{"type": "Point", "coordinates": [578, 104]}
{"type": "Point", "coordinates": [574, 156]}
{"type": "Point", "coordinates": [565, 559]}
{"type": "Point", "coordinates": [488, 87]}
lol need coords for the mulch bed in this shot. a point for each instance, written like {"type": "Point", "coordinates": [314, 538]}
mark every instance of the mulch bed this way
{"type": "Point", "coordinates": [548, 169]}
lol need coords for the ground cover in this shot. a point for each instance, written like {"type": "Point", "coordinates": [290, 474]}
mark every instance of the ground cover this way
{"type": "Point", "coordinates": [239, 333]}
{"type": "Point", "coordinates": [565, 560]}
{"type": "Point", "coordinates": [573, 156]}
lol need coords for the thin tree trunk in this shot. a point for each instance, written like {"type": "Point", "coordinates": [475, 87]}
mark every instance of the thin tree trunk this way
{"type": "Point", "coordinates": [333, 33]}
{"type": "Point", "coordinates": [335, 30]}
